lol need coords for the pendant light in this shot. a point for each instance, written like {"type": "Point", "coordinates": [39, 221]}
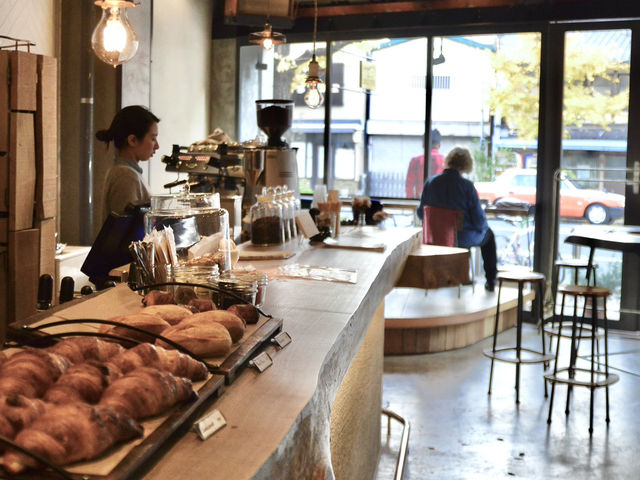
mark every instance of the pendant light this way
{"type": "Point", "coordinates": [114, 40]}
{"type": "Point", "coordinates": [267, 38]}
{"type": "Point", "coordinates": [313, 97]}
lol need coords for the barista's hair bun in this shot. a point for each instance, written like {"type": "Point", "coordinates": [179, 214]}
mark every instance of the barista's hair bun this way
{"type": "Point", "coordinates": [104, 136]}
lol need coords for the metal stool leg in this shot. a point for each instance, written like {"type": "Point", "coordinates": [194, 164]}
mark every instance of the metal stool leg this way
{"type": "Point", "coordinates": [594, 327]}
{"type": "Point", "coordinates": [495, 334]}
{"type": "Point", "coordinates": [606, 351]}
{"type": "Point", "coordinates": [519, 340]}
{"type": "Point", "coordinates": [545, 365]}
{"type": "Point", "coordinates": [555, 364]}
{"type": "Point", "coordinates": [573, 351]}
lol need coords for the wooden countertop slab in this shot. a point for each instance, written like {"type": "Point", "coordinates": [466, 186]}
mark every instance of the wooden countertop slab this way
{"type": "Point", "coordinates": [278, 422]}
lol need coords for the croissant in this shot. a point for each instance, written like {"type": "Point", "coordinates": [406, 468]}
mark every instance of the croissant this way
{"type": "Point", "coordinates": [17, 412]}
{"type": "Point", "coordinates": [145, 392]}
{"type": "Point", "coordinates": [80, 349]}
{"type": "Point", "coordinates": [72, 432]}
{"type": "Point", "coordinates": [31, 372]}
{"type": "Point", "coordinates": [83, 382]}
{"type": "Point", "coordinates": [173, 361]}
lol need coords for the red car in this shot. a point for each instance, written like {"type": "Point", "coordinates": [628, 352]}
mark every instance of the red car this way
{"type": "Point", "coordinates": [595, 206]}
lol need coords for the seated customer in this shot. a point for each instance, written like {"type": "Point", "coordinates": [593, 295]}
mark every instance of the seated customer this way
{"type": "Point", "coordinates": [450, 190]}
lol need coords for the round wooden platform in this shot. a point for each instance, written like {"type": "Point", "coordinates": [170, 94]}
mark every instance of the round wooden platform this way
{"type": "Point", "coordinates": [427, 321]}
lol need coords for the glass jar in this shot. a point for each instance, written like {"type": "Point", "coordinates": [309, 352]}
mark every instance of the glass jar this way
{"type": "Point", "coordinates": [294, 205]}
{"type": "Point", "coordinates": [199, 224]}
{"type": "Point", "coordinates": [203, 275]}
{"type": "Point", "coordinates": [233, 290]}
{"type": "Point", "coordinates": [286, 212]}
{"type": "Point", "coordinates": [267, 224]}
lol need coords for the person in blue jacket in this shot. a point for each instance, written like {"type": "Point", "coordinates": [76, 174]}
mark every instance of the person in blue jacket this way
{"type": "Point", "coordinates": [451, 190]}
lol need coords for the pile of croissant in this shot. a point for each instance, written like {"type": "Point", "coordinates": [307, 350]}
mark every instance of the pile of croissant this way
{"type": "Point", "coordinates": [76, 399]}
{"type": "Point", "coordinates": [197, 326]}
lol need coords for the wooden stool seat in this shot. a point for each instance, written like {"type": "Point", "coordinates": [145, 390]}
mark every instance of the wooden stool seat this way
{"type": "Point", "coordinates": [574, 263]}
{"type": "Point", "coordinates": [517, 354]}
{"type": "Point", "coordinates": [520, 276]}
{"type": "Point", "coordinates": [571, 375]}
{"type": "Point", "coordinates": [584, 291]}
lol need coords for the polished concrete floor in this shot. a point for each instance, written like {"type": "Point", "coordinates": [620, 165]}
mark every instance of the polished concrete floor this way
{"type": "Point", "coordinates": [458, 431]}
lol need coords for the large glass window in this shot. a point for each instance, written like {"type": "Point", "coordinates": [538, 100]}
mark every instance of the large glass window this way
{"type": "Point", "coordinates": [485, 98]}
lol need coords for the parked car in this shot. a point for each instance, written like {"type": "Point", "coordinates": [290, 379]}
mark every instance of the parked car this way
{"type": "Point", "coordinates": [595, 206]}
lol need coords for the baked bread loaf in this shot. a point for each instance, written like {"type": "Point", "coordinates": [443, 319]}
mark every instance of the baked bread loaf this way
{"type": "Point", "coordinates": [158, 297]}
{"type": "Point", "coordinates": [202, 305]}
{"type": "Point", "coordinates": [148, 355]}
{"type": "Point", "coordinates": [249, 313]}
{"type": "Point", "coordinates": [171, 314]}
{"type": "Point", "coordinates": [72, 432]}
{"type": "Point", "coordinates": [233, 323]}
{"type": "Point", "coordinates": [205, 338]}
{"type": "Point", "coordinates": [145, 321]}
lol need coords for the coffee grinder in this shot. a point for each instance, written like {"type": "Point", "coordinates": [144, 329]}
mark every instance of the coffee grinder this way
{"type": "Point", "coordinates": [274, 164]}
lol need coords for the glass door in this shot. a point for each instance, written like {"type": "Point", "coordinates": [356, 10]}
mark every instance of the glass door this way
{"type": "Point", "coordinates": [595, 123]}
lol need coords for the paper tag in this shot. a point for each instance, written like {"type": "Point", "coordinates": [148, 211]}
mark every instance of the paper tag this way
{"type": "Point", "coordinates": [306, 225]}
{"type": "Point", "coordinates": [209, 424]}
{"type": "Point", "coordinates": [282, 339]}
{"type": "Point", "coordinates": [261, 362]}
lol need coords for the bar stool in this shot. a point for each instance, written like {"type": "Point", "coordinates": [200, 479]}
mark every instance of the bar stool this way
{"type": "Point", "coordinates": [517, 354]}
{"type": "Point", "coordinates": [575, 265]}
{"type": "Point", "coordinates": [571, 375]}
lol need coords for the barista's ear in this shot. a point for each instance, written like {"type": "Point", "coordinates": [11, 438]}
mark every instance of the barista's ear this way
{"type": "Point", "coordinates": [132, 140]}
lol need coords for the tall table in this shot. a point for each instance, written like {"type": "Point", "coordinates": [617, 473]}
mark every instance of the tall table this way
{"type": "Point", "coordinates": [621, 238]}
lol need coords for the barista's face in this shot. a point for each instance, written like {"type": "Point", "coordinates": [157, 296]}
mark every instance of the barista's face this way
{"type": "Point", "coordinates": [143, 149]}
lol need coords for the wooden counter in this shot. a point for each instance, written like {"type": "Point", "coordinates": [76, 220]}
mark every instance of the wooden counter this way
{"type": "Point", "coordinates": [325, 385]}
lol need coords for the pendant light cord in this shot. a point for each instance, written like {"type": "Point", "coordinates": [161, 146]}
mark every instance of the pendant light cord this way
{"type": "Point", "coordinates": [315, 25]}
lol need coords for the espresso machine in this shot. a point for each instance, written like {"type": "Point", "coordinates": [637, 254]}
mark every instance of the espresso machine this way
{"type": "Point", "coordinates": [275, 163]}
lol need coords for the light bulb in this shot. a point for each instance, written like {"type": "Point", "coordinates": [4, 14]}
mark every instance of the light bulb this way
{"type": "Point", "coordinates": [267, 44]}
{"type": "Point", "coordinates": [313, 97]}
{"type": "Point", "coordinates": [114, 40]}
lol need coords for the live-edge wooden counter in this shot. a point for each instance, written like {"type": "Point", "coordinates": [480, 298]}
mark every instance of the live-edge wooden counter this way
{"type": "Point", "coordinates": [315, 413]}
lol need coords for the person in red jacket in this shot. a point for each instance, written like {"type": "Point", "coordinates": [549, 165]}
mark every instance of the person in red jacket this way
{"type": "Point", "coordinates": [415, 174]}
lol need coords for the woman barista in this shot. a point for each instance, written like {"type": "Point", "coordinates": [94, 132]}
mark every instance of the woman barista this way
{"type": "Point", "coordinates": [134, 132]}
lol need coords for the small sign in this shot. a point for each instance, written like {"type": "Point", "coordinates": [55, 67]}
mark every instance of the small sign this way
{"type": "Point", "coordinates": [209, 424]}
{"type": "Point", "coordinates": [306, 224]}
{"type": "Point", "coordinates": [261, 362]}
{"type": "Point", "coordinates": [367, 75]}
{"type": "Point", "coordinates": [281, 340]}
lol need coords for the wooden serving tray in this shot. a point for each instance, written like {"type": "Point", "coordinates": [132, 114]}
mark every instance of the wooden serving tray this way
{"type": "Point", "coordinates": [165, 430]}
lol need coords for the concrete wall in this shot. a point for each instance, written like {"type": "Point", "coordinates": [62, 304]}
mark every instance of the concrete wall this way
{"type": "Point", "coordinates": [33, 20]}
{"type": "Point", "coordinates": [180, 73]}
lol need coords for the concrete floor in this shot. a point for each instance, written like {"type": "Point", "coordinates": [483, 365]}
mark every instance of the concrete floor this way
{"type": "Point", "coordinates": [460, 432]}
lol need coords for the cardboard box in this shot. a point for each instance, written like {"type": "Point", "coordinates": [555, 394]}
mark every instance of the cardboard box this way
{"type": "Point", "coordinates": [22, 278]}
{"type": "Point", "coordinates": [47, 230]}
{"type": "Point", "coordinates": [3, 292]}
{"type": "Point", "coordinates": [22, 171]}
{"type": "Point", "coordinates": [4, 101]}
{"type": "Point", "coordinates": [4, 181]}
{"type": "Point", "coordinates": [23, 81]}
{"type": "Point", "coordinates": [46, 130]}
{"type": "Point", "coordinates": [4, 229]}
